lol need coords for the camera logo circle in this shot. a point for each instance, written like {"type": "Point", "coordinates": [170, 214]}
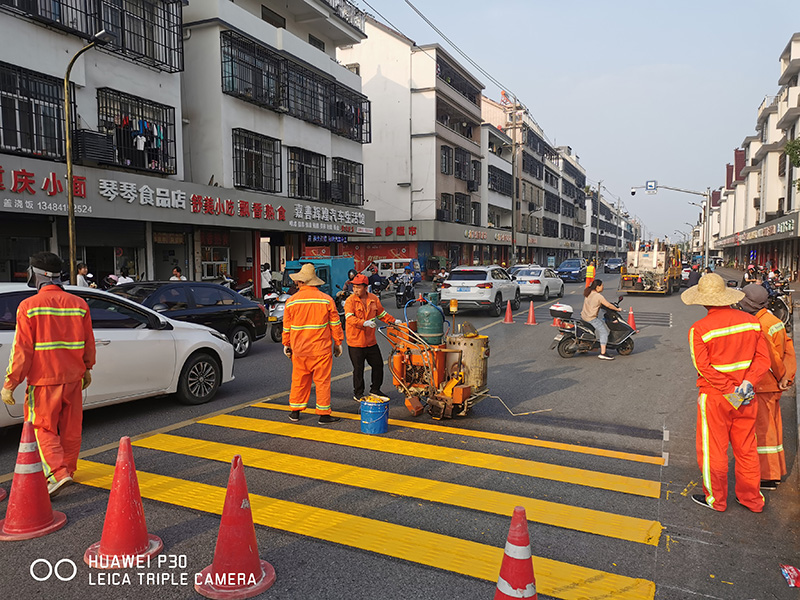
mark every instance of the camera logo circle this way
{"type": "Point", "coordinates": [61, 573]}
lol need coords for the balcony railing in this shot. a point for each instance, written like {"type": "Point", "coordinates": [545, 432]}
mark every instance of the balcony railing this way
{"type": "Point", "coordinates": [348, 13]}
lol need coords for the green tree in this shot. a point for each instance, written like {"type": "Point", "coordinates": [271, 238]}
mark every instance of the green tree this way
{"type": "Point", "coordinates": [792, 150]}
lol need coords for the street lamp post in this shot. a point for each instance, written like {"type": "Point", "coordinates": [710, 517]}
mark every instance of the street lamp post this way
{"type": "Point", "coordinates": [101, 37]}
{"type": "Point", "coordinates": [597, 228]}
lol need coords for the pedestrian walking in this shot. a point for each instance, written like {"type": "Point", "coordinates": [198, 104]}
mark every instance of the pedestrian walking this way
{"type": "Point", "coordinates": [729, 353]}
{"type": "Point", "coordinates": [590, 273]}
{"type": "Point", "coordinates": [783, 366]}
{"type": "Point", "coordinates": [694, 276]}
{"type": "Point", "coordinates": [310, 325]}
{"type": "Point", "coordinates": [54, 350]}
{"type": "Point", "coordinates": [361, 311]}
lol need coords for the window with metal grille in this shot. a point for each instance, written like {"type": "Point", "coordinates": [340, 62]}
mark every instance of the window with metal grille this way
{"type": "Point", "coordinates": [31, 112]}
{"type": "Point", "coordinates": [549, 228]}
{"type": "Point", "coordinates": [273, 18]}
{"type": "Point", "coordinates": [550, 178]}
{"type": "Point", "coordinates": [446, 160]}
{"type": "Point", "coordinates": [552, 203]}
{"type": "Point", "coordinates": [143, 130]}
{"type": "Point", "coordinates": [251, 72]}
{"type": "Point", "coordinates": [148, 32]}
{"type": "Point", "coordinates": [316, 42]}
{"type": "Point", "coordinates": [476, 173]}
{"type": "Point", "coordinates": [567, 209]}
{"type": "Point", "coordinates": [461, 164]}
{"type": "Point", "coordinates": [476, 214]}
{"type": "Point", "coordinates": [256, 161]}
{"type": "Point", "coordinates": [348, 176]}
{"type": "Point", "coordinates": [306, 174]}
{"type": "Point", "coordinates": [445, 211]}
{"type": "Point", "coordinates": [462, 208]}
{"type": "Point", "coordinates": [500, 181]}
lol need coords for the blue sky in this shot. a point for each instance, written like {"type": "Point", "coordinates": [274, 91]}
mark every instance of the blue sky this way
{"type": "Point", "coordinates": [639, 90]}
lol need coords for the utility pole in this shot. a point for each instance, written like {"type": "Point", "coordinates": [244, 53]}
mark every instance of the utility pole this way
{"type": "Point", "coordinates": [708, 221]}
{"type": "Point", "coordinates": [597, 228]}
{"type": "Point", "coordinates": [513, 260]}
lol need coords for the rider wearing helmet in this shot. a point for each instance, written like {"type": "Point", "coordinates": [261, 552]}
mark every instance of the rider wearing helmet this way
{"type": "Point", "coordinates": [750, 276]}
{"type": "Point", "coordinates": [348, 285]}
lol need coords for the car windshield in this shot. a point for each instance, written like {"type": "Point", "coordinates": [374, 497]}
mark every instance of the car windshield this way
{"type": "Point", "coordinates": [570, 264]}
{"type": "Point", "coordinates": [530, 273]}
{"type": "Point", "coordinates": [468, 275]}
{"type": "Point", "coordinates": [136, 292]}
{"type": "Point", "coordinates": [614, 261]}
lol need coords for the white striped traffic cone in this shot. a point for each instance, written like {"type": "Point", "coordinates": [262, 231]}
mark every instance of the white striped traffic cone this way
{"type": "Point", "coordinates": [516, 578]}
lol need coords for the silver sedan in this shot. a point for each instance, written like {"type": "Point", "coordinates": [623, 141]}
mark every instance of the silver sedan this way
{"type": "Point", "coordinates": [540, 282]}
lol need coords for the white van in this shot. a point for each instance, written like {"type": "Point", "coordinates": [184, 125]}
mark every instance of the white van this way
{"type": "Point", "coordinates": [389, 267]}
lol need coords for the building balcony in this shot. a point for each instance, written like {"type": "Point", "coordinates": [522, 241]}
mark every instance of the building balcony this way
{"type": "Point", "coordinates": [338, 20]}
{"type": "Point", "coordinates": [768, 107]}
{"type": "Point", "coordinates": [766, 149]}
{"type": "Point", "coordinates": [789, 118]}
{"type": "Point", "coordinates": [792, 69]}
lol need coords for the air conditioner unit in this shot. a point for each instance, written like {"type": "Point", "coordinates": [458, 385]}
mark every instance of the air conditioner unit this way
{"type": "Point", "coordinates": [443, 215]}
{"type": "Point", "coordinates": [472, 185]}
{"type": "Point", "coordinates": [93, 147]}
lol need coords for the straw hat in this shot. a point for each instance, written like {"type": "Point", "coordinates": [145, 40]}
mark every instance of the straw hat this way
{"type": "Point", "coordinates": [307, 275]}
{"type": "Point", "coordinates": [711, 291]}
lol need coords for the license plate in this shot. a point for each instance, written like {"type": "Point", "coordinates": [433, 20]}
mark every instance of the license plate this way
{"type": "Point", "coordinates": [558, 338]}
{"type": "Point", "coordinates": [463, 289]}
{"type": "Point", "coordinates": [272, 319]}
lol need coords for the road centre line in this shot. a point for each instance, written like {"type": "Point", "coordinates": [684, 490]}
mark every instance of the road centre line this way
{"type": "Point", "coordinates": [540, 511]}
{"type": "Point", "coordinates": [554, 578]}
{"type": "Point", "coordinates": [607, 481]}
{"type": "Point", "coordinates": [497, 437]}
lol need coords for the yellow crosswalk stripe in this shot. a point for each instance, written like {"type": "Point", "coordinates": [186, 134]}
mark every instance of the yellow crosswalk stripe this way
{"type": "Point", "coordinates": [499, 437]}
{"type": "Point", "coordinates": [607, 481]}
{"type": "Point", "coordinates": [553, 578]}
{"type": "Point", "coordinates": [540, 511]}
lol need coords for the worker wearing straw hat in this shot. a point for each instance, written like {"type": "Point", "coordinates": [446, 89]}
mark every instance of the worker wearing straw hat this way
{"type": "Point", "coordinates": [730, 355]}
{"type": "Point", "coordinates": [310, 325]}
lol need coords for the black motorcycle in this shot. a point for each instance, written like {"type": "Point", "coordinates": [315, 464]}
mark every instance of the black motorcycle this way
{"type": "Point", "coordinates": [404, 293]}
{"type": "Point", "coordinates": [340, 298]}
{"type": "Point", "coordinates": [780, 302]}
{"type": "Point", "coordinates": [576, 335]}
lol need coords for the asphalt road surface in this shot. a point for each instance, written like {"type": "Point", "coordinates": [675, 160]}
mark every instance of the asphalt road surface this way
{"type": "Point", "coordinates": [601, 454]}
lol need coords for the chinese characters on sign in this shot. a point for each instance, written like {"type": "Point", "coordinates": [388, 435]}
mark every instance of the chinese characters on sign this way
{"type": "Point", "coordinates": [399, 230]}
{"type": "Point", "coordinates": [329, 219]}
{"type": "Point", "coordinates": [321, 238]}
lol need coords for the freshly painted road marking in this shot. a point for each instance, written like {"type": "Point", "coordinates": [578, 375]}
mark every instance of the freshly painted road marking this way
{"type": "Point", "coordinates": [497, 437]}
{"type": "Point", "coordinates": [549, 513]}
{"type": "Point", "coordinates": [506, 464]}
{"type": "Point", "coordinates": [553, 578]}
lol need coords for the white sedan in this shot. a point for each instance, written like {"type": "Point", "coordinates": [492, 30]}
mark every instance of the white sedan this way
{"type": "Point", "coordinates": [140, 353]}
{"type": "Point", "coordinates": [540, 282]}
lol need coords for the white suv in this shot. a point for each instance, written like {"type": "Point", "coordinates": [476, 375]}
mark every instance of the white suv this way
{"type": "Point", "coordinates": [480, 287]}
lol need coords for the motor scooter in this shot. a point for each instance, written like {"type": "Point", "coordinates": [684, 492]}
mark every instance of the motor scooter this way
{"type": "Point", "coordinates": [275, 302]}
{"type": "Point", "coordinates": [404, 293]}
{"type": "Point", "coordinates": [576, 335]}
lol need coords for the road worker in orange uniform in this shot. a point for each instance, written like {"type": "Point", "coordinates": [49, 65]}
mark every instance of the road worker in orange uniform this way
{"type": "Point", "coordinates": [361, 310]}
{"type": "Point", "coordinates": [730, 353]}
{"type": "Point", "coordinates": [310, 324]}
{"type": "Point", "coordinates": [783, 366]}
{"type": "Point", "coordinates": [54, 349]}
{"type": "Point", "coordinates": [589, 273]}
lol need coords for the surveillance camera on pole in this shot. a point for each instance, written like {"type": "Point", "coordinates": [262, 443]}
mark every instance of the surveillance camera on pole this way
{"type": "Point", "coordinates": [633, 191]}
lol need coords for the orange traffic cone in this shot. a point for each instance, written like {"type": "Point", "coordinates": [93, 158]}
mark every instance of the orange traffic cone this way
{"type": "Point", "coordinates": [631, 320]}
{"type": "Point", "coordinates": [556, 322]}
{"type": "Point", "coordinates": [29, 513]}
{"type": "Point", "coordinates": [509, 317]}
{"type": "Point", "coordinates": [516, 578]}
{"type": "Point", "coordinates": [125, 534]}
{"type": "Point", "coordinates": [237, 549]}
{"type": "Point", "coordinates": [3, 494]}
{"type": "Point", "coordinates": [531, 316]}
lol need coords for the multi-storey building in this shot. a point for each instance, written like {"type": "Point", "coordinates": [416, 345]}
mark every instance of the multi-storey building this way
{"type": "Point", "coordinates": [204, 134]}
{"type": "Point", "coordinates": [757, 217]}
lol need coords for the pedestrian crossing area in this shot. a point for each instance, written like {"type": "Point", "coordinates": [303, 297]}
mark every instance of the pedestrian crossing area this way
{"type": "Point", "coordinates": [267, 421]}
{"type": "Point", "coordinates": [653, 319]}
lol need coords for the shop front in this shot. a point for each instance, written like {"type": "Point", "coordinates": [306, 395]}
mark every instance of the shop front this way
{"type": "Point", "coordinates": [774, 244]}
{"type": "Point", "coordinates": [146, 226]}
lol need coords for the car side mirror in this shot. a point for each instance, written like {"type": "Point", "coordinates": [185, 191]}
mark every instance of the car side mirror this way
{"type": "Point", "coordinates": [160, 307]}
{"type": "Point", "coordinates": [513, 278]}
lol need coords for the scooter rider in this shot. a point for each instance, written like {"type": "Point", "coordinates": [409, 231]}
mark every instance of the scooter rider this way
{"type": "Point", "coordinates": [347, 288]}
{"type": "Point", "coordinates": [593, 300]}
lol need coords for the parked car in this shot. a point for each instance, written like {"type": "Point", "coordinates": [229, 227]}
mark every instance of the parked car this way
{"type": "Point", "coordinates": [391, 267]}
{"type": "Point", "coordinates": [685, 275]}
{"type": "Point", "coordinates": [480, 287]}
{"type": "Point", "coordinates": [140, 353]}
{"type": "Point", "coordinates": [572, 269]}
{"type": "Point", "coordinates": [613, 265]}
{"type": "Point", "coordinates": [539, 282]}
{"type": "Point", "coordinates": [241, 320]}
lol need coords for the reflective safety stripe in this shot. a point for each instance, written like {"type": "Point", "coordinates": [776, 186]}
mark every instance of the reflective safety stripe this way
{"type": "Point", "coordinates": [59, 345]}
{"type": "Point", "coordinates": [28, 469]}
{"type": "Point", "coordinates": [529, 591]}
{"type": "Point", "coordinates": [706, 458]}
{"type": "Point", "coordinates": [715, 333]}
{"type": "Point", "coordinates": [383, 314]}
{"type": "Point", "coordinates": [28, 446]}
{"type": "Point", "coordinates": [336, 322]}
{"type": "Point", "coordinates": [300, 327]}
{"type": "Point", "coordinates": [518, 552]}
{"type": "Point", "coordinates": [308, 301]}
{"type": "Point", "coordinates": [348, 315]}
{"type": "Point", "coordinates": [729, 368]}
{"type": "Point", "coordinates": [770, 449]}
{"type": "Point", "coordinates": [58, 312]}
{"type": "Point", "coordinates": [775, 328]}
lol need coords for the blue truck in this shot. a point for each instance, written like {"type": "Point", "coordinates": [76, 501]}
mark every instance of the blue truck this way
{"type": "Point", "coordinates": [332, 270]}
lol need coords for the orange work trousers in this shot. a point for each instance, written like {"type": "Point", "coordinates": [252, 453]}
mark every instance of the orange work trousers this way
{"type": "Point", "coordinates": [306, 369]}
{"type": "Point", "coordinates": [719, 424]}
{"type": "Point", "coordinates": [769, 436]}
{"type": "Point", "coordinates": [56, 412]}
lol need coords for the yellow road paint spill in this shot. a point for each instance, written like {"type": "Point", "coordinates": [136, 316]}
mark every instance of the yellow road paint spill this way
{"type": "Point", "coordinates": [540, 511]}
{"type": "Point", "coordinates": [689, 487]}
{"type": "Point", "coordinates": [553, 578]}
{"type": "Point", "coordinates": [499, 437]}
{"type": "Point", "coordinates": [670, 541]}
{"type": "Point", "coordinates": [607, 481]}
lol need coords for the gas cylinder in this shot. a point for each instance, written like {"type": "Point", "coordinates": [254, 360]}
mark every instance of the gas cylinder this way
{"type": "Point", "coordinates": [430, 322]}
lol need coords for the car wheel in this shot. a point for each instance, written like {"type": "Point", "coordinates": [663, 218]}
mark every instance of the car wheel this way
{"type": "Point", "coordinates": [606, 271]}
{"type": "Point", "coordinates": [242, 340]}
{"type": "Point", "coordinates": [276, 332]}
{"type": "Point", "coordinates": [516, 302]}
{"type": "Point", "coordinates": [626, 347]}
{"type": "Point", "coordinates": [546, 295]}
{"type": "Point", "coordinates": [561, 291]}
{"type": "Point", "coordinates": [200, 379]}
{"type": "Point", "coordinates": [567, 347]}
{"type": "Point", "coordinates": [399, 302]}
{"type": "Point", "coordinates": [497, 306]}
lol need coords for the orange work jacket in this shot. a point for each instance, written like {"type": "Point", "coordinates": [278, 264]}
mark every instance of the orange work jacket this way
{"type": "Point", "coordinates": [310, 323]}
{"type": "Point", "coordinates": [783, 361]}
{"type": "Point", "coordinates": [54, 341]}
{"type": "Point", "coordinates": [727, 347]}
{"type": "Point", "coordinates": [356, 311]}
